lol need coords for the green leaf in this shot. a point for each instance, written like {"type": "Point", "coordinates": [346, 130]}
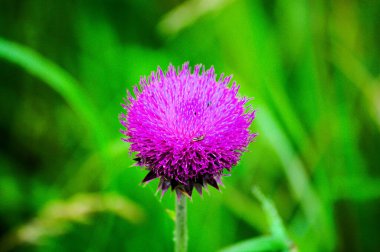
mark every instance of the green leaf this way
{"type": "Point", "coordinates": [278, 241]}
{"type": "Point", "coordinates": [263, 243]}
{"type": "Point", "coordinates": [59, 80]}
{"type": "Point", "coordinates": [275, 223]}
{"type": "Point", "coordinates": [170, 213]}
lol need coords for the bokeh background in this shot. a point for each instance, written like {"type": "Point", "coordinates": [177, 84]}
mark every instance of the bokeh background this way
{"type": "Point", "coordinates": [66, 181]}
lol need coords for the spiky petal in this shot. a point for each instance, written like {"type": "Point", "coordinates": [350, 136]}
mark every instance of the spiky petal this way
{"type": "Point", "coordinates": [186, 127]}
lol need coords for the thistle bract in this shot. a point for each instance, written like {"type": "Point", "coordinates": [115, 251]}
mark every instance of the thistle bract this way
{"type": "Point", "coordinates": [186, 127]}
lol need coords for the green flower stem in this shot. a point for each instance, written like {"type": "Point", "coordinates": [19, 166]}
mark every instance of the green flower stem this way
{"type": "Point", "coordinates": [180, 234]}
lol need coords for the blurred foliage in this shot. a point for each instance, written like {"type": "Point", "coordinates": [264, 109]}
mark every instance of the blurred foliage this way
{"type": "Point", "coordinates": [66, 181]}
{"type": "Point", "coordinates": [278, 239]}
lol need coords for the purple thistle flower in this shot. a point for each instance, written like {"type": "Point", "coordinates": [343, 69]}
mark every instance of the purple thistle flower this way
{"type": "Point", "coordinates": [186, 127]}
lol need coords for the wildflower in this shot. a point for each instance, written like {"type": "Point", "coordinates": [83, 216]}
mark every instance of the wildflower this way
{"type": "Point", "coordinates": [186, 128]}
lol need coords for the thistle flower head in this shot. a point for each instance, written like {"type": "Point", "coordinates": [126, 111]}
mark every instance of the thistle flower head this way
{"type": "Point", "coordinates": [186, 127]}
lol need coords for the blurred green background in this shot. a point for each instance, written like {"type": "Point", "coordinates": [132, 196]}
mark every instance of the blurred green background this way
{"type": "Point", "coordinates": [66, 181]}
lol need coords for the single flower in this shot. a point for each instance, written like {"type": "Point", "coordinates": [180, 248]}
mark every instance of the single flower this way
{"type": "Point", "coordinates": [186, 127]}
